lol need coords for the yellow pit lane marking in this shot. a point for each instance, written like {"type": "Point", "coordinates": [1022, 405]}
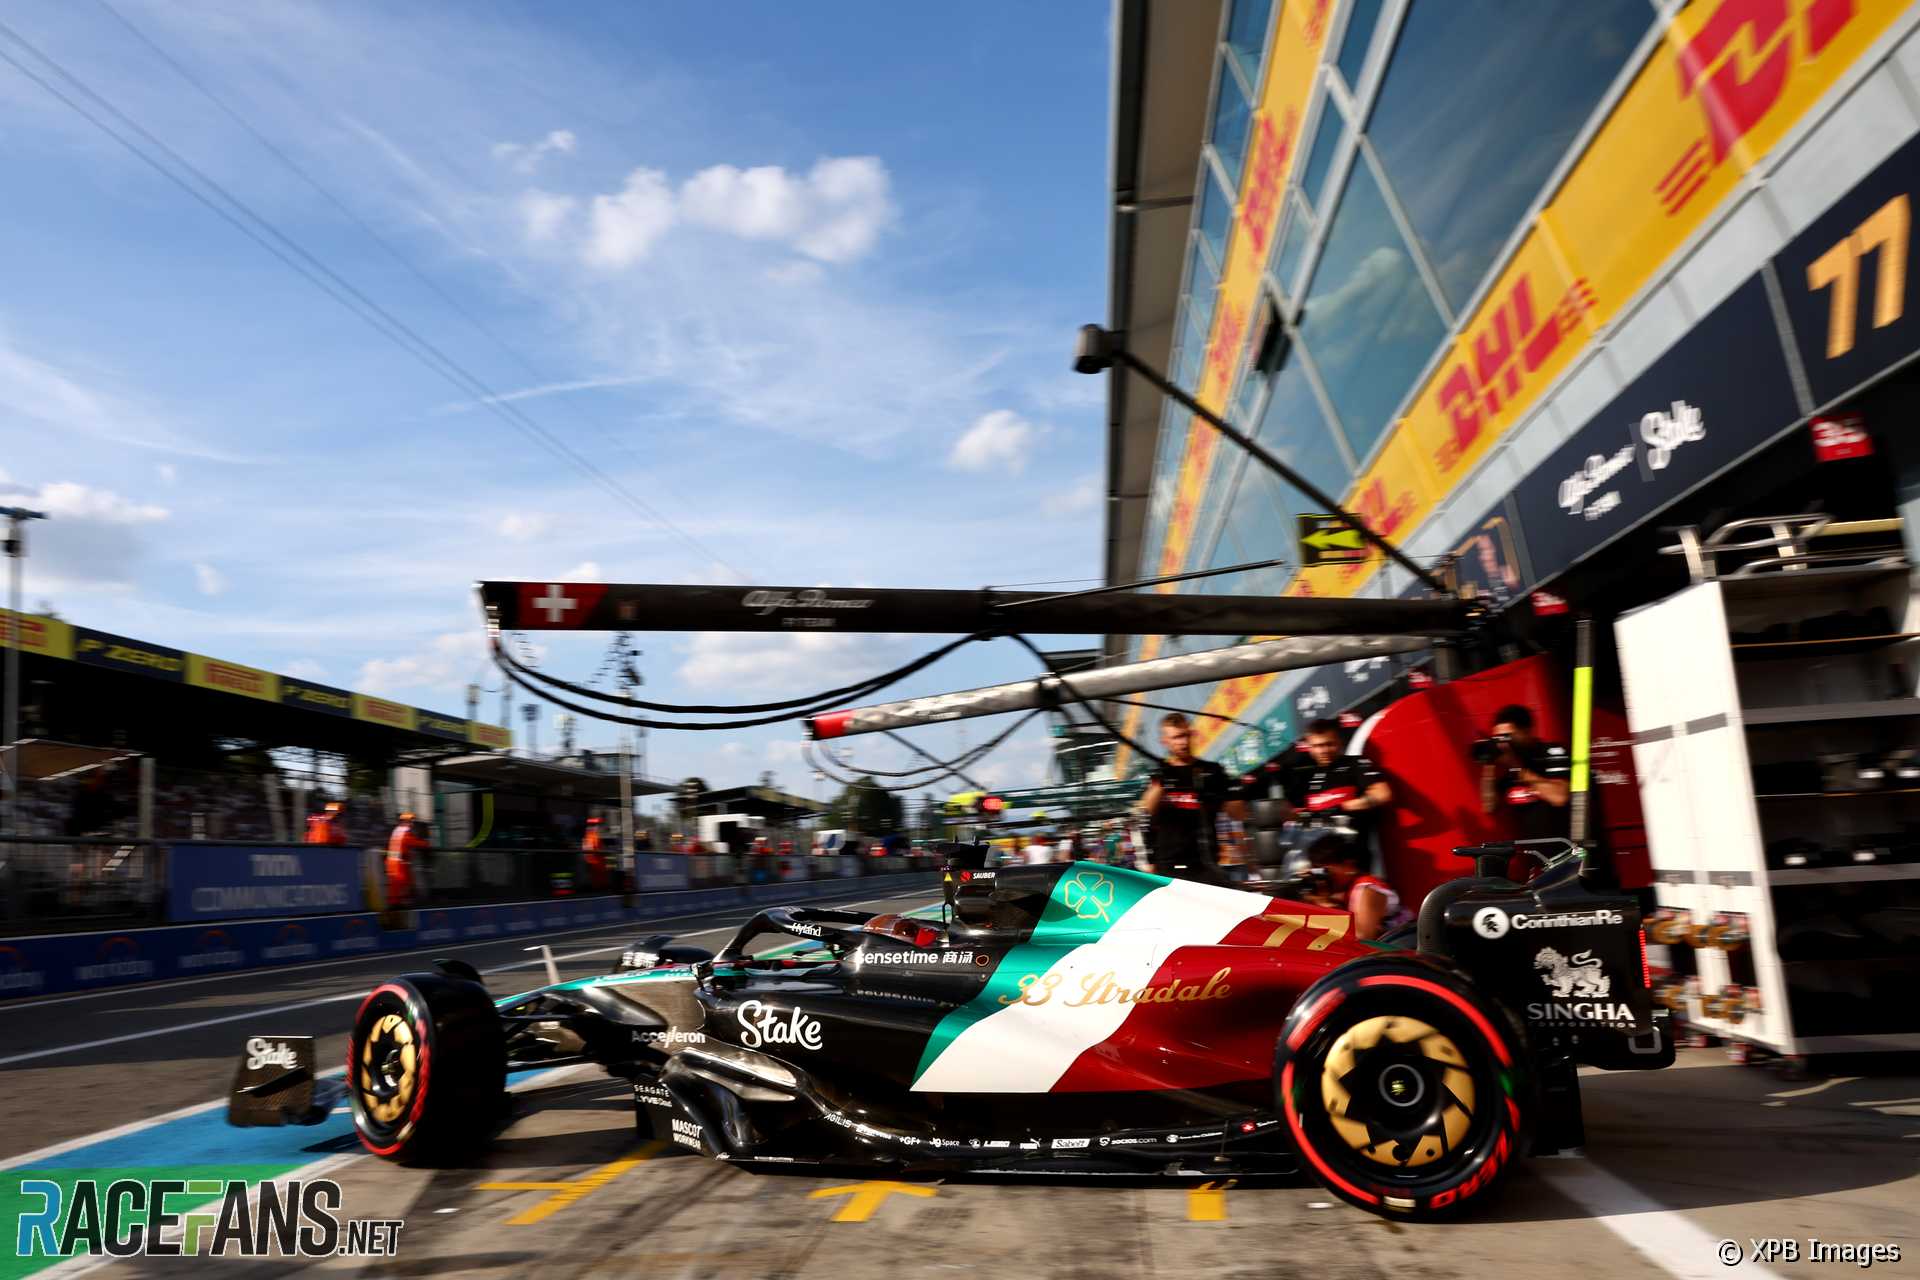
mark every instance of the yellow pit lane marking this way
{"type": "Point", "coordinates": [565, 1193]}
{"type": "Point", "coordinates": [864, 1197]}
{"type": "Point", "coordinates": [1208, 1201]}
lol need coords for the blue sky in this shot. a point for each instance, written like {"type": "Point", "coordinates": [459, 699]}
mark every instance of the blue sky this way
{"type": "Point", "coordinates": [803, 277]}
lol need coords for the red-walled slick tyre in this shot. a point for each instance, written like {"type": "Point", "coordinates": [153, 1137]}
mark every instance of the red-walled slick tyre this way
{"type": "Point", "coordinates": [426, 1068]}
{"type": "Point", "coordinates": [1406, 1090]}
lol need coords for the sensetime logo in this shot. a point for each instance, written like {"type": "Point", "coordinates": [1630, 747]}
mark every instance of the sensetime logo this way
{"type": "Point", "coordinates": [129, 1218]}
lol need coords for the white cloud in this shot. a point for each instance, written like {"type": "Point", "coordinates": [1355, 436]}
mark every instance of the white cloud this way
{"type": "Point", "coordinates": [1000, 440]}
{"type": "Point", "coordinates": [169, 474]}
{"type": "Point", "coordinates": [92, 536]}
{"type": "Point", "coordinates": [525, 157]}
{"type": "Point", "coordinates": [795, 663]}
{"type": "Point", "coordinates": [447, 661]}
{"type": "Point", "coordinates": [1078, 498]}
{"type": "Point", "coordinates": [304, 669]}
{"type": "Point", "coordinates": [545, 214]}
{"type": "Point", "coordinates": [65, 499]}
{"type": "Point", "coordinates": [585, 571]}
{"type": "Point", "coordinates": [522, 528]}
{"type": "Point", "coordinates": [834, 213]}
{"type": "Point", "coordinates": [625, 226]}
{"type": "Point", "coordinates": [799, 271]}
{"type": "Point", "coordinates": [209, 579]}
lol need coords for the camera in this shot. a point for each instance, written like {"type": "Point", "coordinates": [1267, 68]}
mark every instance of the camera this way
{"type": "Point", "coordinates": [1489, 750]}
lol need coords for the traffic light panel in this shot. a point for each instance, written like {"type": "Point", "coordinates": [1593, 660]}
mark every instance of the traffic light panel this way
{"type": "Point", "coordinates": [989, 805]}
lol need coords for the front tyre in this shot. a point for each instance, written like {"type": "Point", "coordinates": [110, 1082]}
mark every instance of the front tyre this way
{"type": "Point", "coordinates": [426, 1068]}
{"type": "Point", "coordinates": [1406, 1090]}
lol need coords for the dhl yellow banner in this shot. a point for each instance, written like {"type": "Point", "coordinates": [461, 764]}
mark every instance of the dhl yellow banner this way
{"type": "Point", "coordinates": [1273, 144]}
{"type": "Point", "coordinates": [48, 636]}
{"type": "Point", "coordinates": [1729, 79]}
{"type": "Point", "coordinates": [231, 677]}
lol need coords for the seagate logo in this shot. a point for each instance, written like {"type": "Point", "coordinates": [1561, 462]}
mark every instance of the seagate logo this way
{"type": "Point", "coordinates": [1491, 922]}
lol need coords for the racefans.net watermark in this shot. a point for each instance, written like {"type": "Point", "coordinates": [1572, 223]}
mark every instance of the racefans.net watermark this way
{"type": "Point", "coordinates": [1855, 1253]}
{"type": "Point", "coordinates": [201, 1218]}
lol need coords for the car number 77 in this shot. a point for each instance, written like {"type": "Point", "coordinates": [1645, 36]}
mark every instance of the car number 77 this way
{"type": "Point", "coordinates": [1330, 927]}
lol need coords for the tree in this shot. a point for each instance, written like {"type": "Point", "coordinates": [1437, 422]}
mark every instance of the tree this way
{"type": "Point", "coordinates": [865, 806]}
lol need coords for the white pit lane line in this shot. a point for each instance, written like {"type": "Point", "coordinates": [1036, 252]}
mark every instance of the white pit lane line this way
{"type": "Point", "coordinates": [1668, 1240]}
{"type": "Point", "coordinates": [350, 995]}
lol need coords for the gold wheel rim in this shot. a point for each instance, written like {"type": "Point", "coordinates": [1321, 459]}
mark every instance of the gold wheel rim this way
{"type": "Point", "coordinates": [1448, 1072]}
{"type": "Point", "coordinates": [389, 1043]}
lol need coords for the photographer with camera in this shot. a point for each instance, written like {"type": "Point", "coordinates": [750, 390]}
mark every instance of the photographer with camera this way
{"type": "Point", "coordinates": [1340, 880]}
{"type": "Point", "coordinates": [1182, 804]}
{"type": "Point", "coordinates": [1522, 776]}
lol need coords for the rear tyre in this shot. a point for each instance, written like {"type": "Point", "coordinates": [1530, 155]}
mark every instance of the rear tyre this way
{"type": "Point", "coordinates": [1406, 1090]}
{"type": "Point", "coordinates": [426, 1068]}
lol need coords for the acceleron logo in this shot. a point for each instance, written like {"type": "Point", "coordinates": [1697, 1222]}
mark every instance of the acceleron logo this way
{"type": "Point", "coordinates": [130, 1218]}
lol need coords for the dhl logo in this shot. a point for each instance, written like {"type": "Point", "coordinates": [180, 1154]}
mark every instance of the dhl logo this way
{"type": "Point", "coordinates": [1509, 345]}
{"type": "Point", "coordinates": [1267, 178]}
{"type": "Point", "coordinates": [1222, 355]}
{"type": "Point", "coordinates": [1736, 67]}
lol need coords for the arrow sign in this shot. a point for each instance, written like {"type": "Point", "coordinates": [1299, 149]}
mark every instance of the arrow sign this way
{"type": "Point", "coordinates": [864, 1197]}
{"type": "Point", "coordinates": [1326, 539]}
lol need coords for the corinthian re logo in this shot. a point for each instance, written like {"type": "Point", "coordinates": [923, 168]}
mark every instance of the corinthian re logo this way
{"type": "Point", "coordinates": [766, 602]}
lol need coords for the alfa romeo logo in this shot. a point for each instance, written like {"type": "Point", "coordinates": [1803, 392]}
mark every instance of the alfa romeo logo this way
{"type": "Point", "coordinates": [1490, 922]}
{"type": "Point", "coordinates": [1088, 895]}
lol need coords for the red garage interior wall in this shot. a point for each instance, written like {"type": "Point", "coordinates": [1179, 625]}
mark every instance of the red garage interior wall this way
{"type": "Point", "coordinates": [1422, 744]}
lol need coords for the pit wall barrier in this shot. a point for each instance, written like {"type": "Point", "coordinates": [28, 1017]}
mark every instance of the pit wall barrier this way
{"type": "Point", "coordinates": [50, 964]}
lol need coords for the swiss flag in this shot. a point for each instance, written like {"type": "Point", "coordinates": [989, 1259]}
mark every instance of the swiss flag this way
{"type": "Point", "coordinates": [554, 605]}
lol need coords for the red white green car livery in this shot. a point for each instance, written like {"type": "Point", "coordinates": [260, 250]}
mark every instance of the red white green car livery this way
{"type": "Point", "coordinates": [1075, 1018]}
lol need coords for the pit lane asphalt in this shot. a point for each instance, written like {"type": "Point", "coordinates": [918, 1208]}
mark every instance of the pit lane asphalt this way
{"type": "Point", "coordinates": [1675, 1162]}
{"type": "Point", "coordinates": [73, 1066]}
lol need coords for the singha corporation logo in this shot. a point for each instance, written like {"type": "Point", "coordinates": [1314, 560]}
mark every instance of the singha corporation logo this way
{"type": "Point", "coordinates": [1088, 895]}
{"type": "Point", "coordinates": [1576, 976]}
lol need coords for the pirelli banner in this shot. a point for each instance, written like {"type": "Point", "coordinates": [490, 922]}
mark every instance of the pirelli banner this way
{"type": "Point", "coordinates": [52, 638]}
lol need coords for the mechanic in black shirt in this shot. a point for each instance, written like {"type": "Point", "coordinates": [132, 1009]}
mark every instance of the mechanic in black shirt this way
{"type": "Point", "coordinates": [1525, 778]}
{"type": "Point", "coordinates": [1182, 804]}
{"type": "Point", "coordinates": [1332, 782]}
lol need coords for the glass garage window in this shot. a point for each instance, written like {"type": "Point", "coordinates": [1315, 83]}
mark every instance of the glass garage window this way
{"type": "Point", "coordinates": [1326, 139]}
{"type": "Point", "coordinates": [1353, 45]}
{"type": "Point", "coordinates": [1295, 430]}
{"type": "Point", "coordinates": [1369, 321]}
{"type": "Point", "coordinates": [1216, 213]}
{"type": "Point", "coordinates": [1466, 154]}
{"type": "Point", "coordinates": [1292, 245]}
{"type": "Point", "coordinates": [1231, 116]}
{"type": "Point", "coordinates": [1247, 35]}
{"type": "Point", "coordinates": [1261, 524]}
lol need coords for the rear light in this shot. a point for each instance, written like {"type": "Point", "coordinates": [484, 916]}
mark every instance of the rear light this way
{"type": "Point", "coordinates": [1646, 974]}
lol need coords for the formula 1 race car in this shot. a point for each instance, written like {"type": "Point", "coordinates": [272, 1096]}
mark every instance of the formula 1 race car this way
{"type": "Point", "coordinates": [1076, 1018]}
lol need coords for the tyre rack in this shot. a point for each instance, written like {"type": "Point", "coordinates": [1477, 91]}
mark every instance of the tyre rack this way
{"type": "Point", "coordinates": [1746, 717]}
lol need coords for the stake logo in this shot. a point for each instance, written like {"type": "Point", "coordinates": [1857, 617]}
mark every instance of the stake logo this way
{"type": "Point", "coordinates": [129, 1218]}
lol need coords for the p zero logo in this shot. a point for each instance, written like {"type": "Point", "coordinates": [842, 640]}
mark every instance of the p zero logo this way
{"type": "Point", "coordinates": [316, 697]}
{"type": "Point", "coordinates": [97, 648]}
